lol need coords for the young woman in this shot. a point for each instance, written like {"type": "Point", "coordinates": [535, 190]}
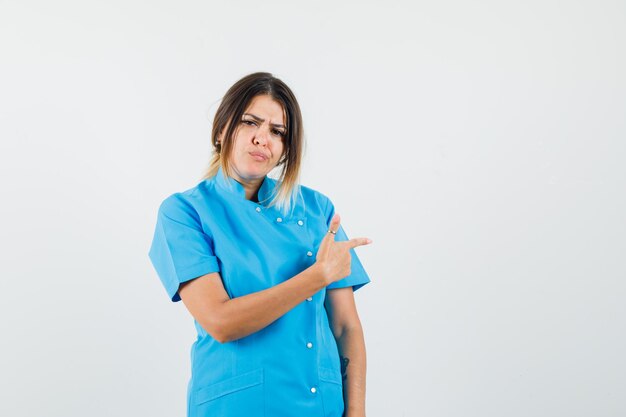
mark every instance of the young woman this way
{"type": "Point", "coordinates": [265, 269]}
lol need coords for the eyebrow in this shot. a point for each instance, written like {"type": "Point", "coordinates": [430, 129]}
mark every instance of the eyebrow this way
{"type": "Point", "coordinates": [258, 119]}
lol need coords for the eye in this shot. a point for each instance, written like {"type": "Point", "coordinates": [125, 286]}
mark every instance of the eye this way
{"type": "Point", "coordinates": [274, 131]}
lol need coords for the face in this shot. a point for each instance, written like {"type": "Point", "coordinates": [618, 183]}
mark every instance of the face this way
{"type": "Point", "coordinates": [259, 140]}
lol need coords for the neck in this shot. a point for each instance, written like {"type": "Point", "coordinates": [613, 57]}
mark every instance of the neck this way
{"type": "Point", "coordinates": [250, 185]}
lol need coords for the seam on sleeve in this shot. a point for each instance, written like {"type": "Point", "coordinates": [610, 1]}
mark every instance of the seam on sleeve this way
{"type": "Point", "coordinates": [191, 212]}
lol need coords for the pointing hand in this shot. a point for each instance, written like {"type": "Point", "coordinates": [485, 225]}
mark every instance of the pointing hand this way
{"type": "Point", "coordinates": [333, 258]}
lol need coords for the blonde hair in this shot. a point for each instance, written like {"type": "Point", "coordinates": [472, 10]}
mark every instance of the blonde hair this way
{"type": "Point", "coordinates": [232, 107]}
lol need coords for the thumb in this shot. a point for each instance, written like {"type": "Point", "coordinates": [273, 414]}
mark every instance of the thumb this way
{"type": "Point", "coordinates": [334, 226]}
{"type": "Point", "coordinates": [330, 237]}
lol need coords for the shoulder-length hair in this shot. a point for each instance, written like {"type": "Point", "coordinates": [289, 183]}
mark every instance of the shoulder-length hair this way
{"type": "Point", "coordinates": [232, 107]}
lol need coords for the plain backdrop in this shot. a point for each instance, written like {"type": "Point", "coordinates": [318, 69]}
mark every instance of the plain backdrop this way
{"type": "Point", "coordinates": [481, 145]}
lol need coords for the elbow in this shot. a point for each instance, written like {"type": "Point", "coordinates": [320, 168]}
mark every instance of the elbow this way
{"type": "Point", "coordinates": [218, 328]}
{"type": "Point", "coordinates": [218, 333]}
{"type": "Point", "coordinates": [224, 336]}
{"type": "Point", "coordinates": [220, 338]}
{"type": "Point", "coordinates": [349, 328]}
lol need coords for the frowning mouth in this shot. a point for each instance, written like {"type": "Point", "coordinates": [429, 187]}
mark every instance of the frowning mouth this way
{"type": "Point", "coordinates": [259, 156]}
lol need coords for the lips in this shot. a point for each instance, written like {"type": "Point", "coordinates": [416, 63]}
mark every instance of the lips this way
{"type": "Point", "coordinates": [259, 156]}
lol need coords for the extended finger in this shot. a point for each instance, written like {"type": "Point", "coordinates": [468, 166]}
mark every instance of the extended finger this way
{"type": "Point", "coordinates": [358, 241]}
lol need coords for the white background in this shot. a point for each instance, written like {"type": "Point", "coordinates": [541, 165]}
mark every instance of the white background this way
{"type": "Point", "coordinates": [481, 145]}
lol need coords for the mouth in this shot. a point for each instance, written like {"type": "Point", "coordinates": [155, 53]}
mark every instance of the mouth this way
{"type": "Point", "coordinates": [259, 156]}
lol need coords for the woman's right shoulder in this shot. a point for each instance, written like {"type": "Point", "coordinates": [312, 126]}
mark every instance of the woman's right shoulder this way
{"type": "Point", "coordinates": [187, 201]}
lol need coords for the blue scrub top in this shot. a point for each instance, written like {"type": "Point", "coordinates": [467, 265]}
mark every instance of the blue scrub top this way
{"type": "Point", "coordinates": [289, 368]}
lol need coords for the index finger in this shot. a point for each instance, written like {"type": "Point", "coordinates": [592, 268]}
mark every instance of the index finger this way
{"type": "Point", "coordinates": [358, 241]}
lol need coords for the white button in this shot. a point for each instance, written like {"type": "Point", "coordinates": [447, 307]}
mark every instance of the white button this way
{"type": "Point", "coordinates": [258, 209]}
{"type": "Point", "coordinates": [310, 299]}
{"type": "Point", "coordinates": [300, 222]}
{"type": "Point", "coordinates": [313, 390]}
{"type": "Point", "coordinates": [309, 345]}
{"type": "Point", "coordinates": [309, 253]}
{"type": "Point", "coordinates": [279, 220]}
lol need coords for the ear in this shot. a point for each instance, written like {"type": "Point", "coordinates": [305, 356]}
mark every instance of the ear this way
{"type": "Point", "coordinates": [220, 135]}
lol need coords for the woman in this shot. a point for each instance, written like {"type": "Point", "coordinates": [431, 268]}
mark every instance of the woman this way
{"type": "Point", "coordinates": [265, 269]}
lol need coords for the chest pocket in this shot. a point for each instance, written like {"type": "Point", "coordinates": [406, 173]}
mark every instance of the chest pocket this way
{"type": "Point", "coordinates": [240, 395]}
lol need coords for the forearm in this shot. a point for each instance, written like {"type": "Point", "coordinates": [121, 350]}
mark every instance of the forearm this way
{"type": "Point", "coordinates": [247, 314]}
{"type": "Point", "coordinates": [351, 345]}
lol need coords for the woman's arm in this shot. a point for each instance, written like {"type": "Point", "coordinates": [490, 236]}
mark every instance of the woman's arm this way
{"type": "Point", "coordinates": [346, 327]}
{"type": "Point", "coordinates": [229, 319]}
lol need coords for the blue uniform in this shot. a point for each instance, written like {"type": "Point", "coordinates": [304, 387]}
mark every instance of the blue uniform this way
{"type": "Point", "coordinates": [289, 368]}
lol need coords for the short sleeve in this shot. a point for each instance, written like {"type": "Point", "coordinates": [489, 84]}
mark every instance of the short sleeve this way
{"type": "Point", "coordinates": [358, 277]}
{"type": "Point", "coordinates": [181, 250]}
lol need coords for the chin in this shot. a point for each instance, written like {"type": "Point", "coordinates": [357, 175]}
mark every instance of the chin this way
{"type": "Point", "coordinates": [252, 171]}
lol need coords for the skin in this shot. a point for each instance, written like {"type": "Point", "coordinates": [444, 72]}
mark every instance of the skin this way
{"type": "Point", "coordinates": [346, 327]}
{"type": "Point", "coordinates": [256, 136]}
{"type": "Point", "coordinates": [230, 319]}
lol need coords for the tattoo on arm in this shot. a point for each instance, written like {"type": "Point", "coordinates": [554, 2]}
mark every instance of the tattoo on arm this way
{"type": "Point", "coordinates": [344, 366]}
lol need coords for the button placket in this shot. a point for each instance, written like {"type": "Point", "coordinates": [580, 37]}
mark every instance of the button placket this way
{"type": "Point", "coordinates": [309, 254]}
{"type": "Point", "coordinates": [300, 223]}
{"type": "Point", "coordinates": [271, 215]}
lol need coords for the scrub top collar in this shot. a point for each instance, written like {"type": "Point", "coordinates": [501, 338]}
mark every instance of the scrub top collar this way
{"type": "Point", "coordinates": [230, 185]}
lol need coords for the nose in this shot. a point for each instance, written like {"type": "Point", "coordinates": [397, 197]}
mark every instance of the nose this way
{"type": "Point", "coordinates": [260, 137]}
